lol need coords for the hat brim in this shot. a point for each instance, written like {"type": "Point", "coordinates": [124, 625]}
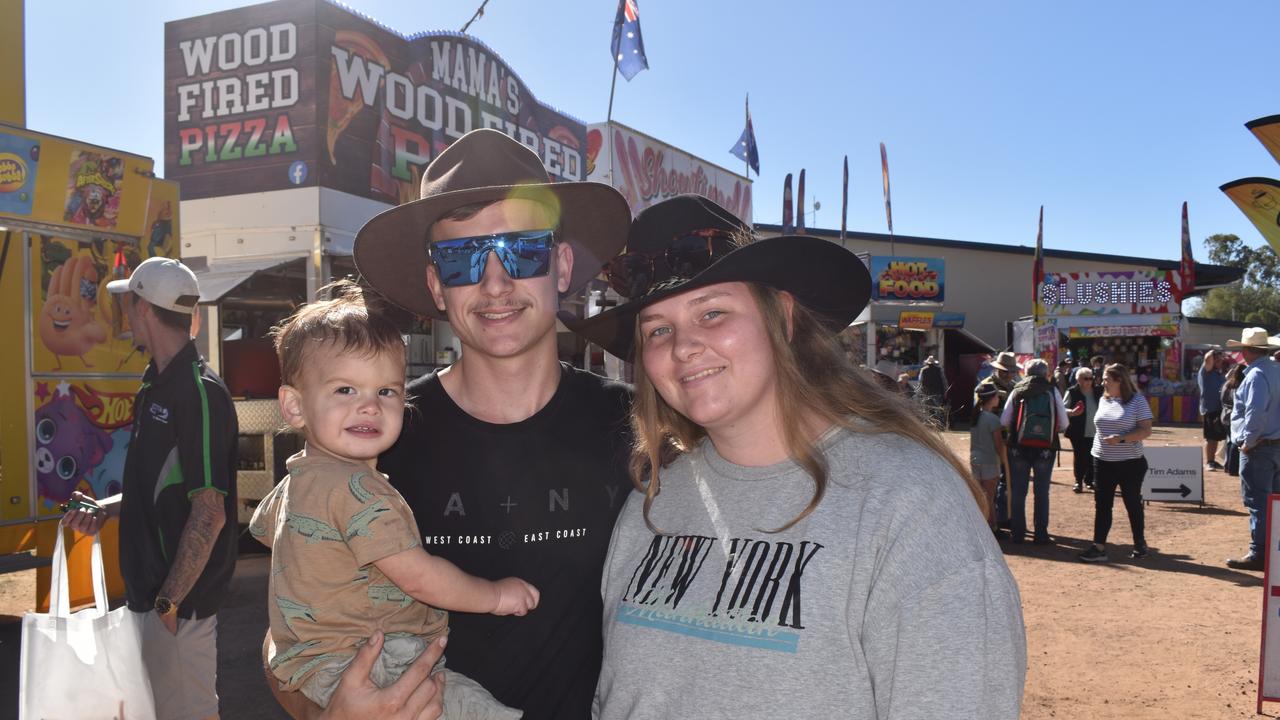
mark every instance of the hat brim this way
{"type": "Point", "coordinates": [390, 249]}
{"type": "Point", "coordinates": [828, 280]}
{"type": "Point", "coordinates": [998, 366]}
{"type": "Point", "coordinates": [1266, 346]}
{"type": "Point", "coordinates": [118, 287]}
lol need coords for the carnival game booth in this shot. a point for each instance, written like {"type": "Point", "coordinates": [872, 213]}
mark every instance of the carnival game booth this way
{"type": "Point", "coordinates": [1131, 317]}
{"type": "Point", "coordinates": [73, 217]}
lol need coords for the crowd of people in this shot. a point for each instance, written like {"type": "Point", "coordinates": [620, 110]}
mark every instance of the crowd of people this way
{"type": "Point", "coordinates": [1098, 407]}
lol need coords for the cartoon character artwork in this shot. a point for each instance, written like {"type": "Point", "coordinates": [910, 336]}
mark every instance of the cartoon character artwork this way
{"type": "Point", "coordinates": [68, 446]}
{"type": "Point", "coordinates": [82, 436]}
{"type": "Point", "coordinates": [93, 189]}
{"type": "Point", "coordinates": [161, 232]}
{"type": "Point", "coordinates": [68, 323]}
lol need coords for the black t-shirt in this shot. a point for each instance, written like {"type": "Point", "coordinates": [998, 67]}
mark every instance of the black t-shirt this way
{"type": "Point", "coordinates": [183, 440]}
{"type": "Point", "coordinates": [535, 499]}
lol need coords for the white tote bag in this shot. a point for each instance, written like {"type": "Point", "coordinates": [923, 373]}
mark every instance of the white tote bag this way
{"type": "Point", "coordinates": [82, 665]}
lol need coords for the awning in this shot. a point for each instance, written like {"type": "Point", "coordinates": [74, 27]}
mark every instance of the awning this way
{"type": "Point", "coordinates": [221, 277]}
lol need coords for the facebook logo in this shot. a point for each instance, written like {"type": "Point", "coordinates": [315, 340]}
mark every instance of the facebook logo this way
{"type": "Point", "coordinates": [297, 172]}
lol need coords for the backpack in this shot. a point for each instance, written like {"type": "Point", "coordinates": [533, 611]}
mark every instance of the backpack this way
{"type": "Point", "coordinates": [1035, 415]}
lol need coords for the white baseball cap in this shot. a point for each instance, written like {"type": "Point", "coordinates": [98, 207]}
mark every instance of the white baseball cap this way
{"type": "Point", "coordinates": [163, 282]}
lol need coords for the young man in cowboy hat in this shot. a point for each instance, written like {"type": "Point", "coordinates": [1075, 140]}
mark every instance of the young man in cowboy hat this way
{"type": "Point", "coordinates": [512, 462]}
{"type": "Point", "coordinates": [1255, 429]}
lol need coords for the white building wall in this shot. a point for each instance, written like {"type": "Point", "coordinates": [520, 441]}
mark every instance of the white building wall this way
{"type": "Point", "coordinates": [989, 286]}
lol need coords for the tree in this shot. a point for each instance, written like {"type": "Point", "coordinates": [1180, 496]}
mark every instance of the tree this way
{"type": "Point", "coordinates": [1255, 299]}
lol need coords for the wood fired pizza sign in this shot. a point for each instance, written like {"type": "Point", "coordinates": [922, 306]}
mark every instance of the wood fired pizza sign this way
{"type": "Point", "coordinates": [305, 92]}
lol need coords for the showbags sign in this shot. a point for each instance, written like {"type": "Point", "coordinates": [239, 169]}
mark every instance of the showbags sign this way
{"type": "Point", "coordinates": [1174, 474]}
{"type": "Point", "coordinates": [647, 171]}
{"type": "Point", "coordinates": [305, 93]}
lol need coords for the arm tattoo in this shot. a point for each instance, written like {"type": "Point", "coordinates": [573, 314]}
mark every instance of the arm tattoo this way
{"type": "Point", "coordinates": [198, 536]}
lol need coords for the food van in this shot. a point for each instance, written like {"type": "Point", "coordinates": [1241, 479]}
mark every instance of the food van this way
{"type": "Point", "coordinates": [73, 217]}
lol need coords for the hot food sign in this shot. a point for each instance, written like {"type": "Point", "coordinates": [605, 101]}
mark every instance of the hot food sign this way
{"type": "Point", "coordinates": [304, 92]}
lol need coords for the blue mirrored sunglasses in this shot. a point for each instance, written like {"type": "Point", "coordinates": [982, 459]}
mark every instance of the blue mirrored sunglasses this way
{"type": "Point", "coordinates": [523, 254]}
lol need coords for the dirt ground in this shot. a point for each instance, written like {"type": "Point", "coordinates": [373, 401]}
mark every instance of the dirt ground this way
{"type": "Point", "coordinates": [1172, 636]}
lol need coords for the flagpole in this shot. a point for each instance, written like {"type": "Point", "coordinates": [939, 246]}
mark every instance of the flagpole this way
{"type": "Point", "coordinates": [608, 123]}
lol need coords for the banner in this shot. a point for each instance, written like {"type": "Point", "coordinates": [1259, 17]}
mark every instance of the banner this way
{"type": "Point", "coordinates": [1259, 199]}
{"type": "Point", "coordinates": [61, 182]}
{"type": "Point", "coordinates": [647, 171]}
{"type": "Point", "coordinates": [916, 320]}
{"type": "Point", "coordinates": [1267, 130]}
{"type": "Point", "coordinates": [908, 279]}
{"type": "Point", "coordinates": [304, 93]}
{"type": "Point", "coordinates": [1121, 292]}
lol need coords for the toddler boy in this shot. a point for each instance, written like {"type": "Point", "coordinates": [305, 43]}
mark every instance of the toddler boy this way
{"type": "Point", "coordinates": [346, 556]}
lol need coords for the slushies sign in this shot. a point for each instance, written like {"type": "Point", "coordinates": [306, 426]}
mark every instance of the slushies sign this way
{"type": "Point", "coordinates": [305, 92]}
{"type": "Point", "coordinates": [1108, 293]}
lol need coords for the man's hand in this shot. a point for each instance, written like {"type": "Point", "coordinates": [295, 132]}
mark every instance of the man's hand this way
{"type": "Point", "coordinates": [515, 597]}
{"type": "Point", "coordinates": [417, 695]}
{"type": "Point", "coordinates": [170, 622]}
{"type": "Point", "coordinates": [87, 519]}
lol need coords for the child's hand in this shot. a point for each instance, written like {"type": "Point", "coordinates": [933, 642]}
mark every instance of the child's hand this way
{"type": "Point", "coordinates": [515, 596]}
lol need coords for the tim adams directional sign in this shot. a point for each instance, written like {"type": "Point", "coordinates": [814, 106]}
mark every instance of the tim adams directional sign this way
{"type": "Point", "coordinates": [1174, 474]}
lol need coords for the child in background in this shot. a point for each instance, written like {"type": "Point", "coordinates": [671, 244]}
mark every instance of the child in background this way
{"type": "Point", "coordinates": [346, 554]}
{"type": "Point", "coordinates": [987, 452]}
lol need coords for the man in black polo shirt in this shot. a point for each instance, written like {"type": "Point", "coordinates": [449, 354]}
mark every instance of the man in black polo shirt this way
{"type": "Point", "coordinates": [177, 509]}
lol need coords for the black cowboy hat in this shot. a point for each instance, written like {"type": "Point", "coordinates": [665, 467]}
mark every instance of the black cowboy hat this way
{"type": "Point", "coordinates": [484, 166]}
{"type": "Point", "coordinates": [824, 277]}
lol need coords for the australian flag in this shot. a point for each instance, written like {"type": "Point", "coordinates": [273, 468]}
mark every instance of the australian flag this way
{"type": "Point", "coordinates": [628, 46]}
{"type": "Point", "coordinates": [745, 149]}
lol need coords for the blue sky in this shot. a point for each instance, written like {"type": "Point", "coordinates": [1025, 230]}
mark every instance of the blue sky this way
{"type": "Point", "coordinates": [1110, 114]}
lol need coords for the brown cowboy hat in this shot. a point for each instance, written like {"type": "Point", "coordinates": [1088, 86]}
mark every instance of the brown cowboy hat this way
{"type": "Point", "coordinates": [1005, 361]}
{"type": "Point", "coordinates": [486, 166]}
{"type": "Point", "coordinates": [1256, 338]}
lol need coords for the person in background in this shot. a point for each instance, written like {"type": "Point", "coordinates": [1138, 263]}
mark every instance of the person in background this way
{"type": "Point", "coordinates": [1234, 374]}
{"type": "Point", "coordinates": [1209, 381]}
{"type": "Point", "coordinates": [178, 507]}
{"type": "Point", "coordinates": [1032, 456]}
{"type": "Point", "coordinates": [1082, 404]}
{"type": "Point", "coordinates": [933, 389]}
{"type": "Point", "coordinates": [1003, 377]}
{"type": "Point", "coordinates": [1255, 429]}
{"type": "Point", "coordinates": [1062, 377]}
{"type": "Point", "coordinates": [987, 452]}
{"type": "Point", "coordinates": [904, 385]}
{"type": "Point", "coordinates": [1097, 363]}
{"type": "Point", "coordinates": [1122, 422]}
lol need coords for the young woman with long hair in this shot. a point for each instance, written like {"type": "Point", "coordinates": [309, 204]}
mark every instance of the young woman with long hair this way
{"type": "Point", "coordinates": [795, 524]}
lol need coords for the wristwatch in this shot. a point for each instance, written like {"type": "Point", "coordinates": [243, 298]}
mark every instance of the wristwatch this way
{"type": "Point", "coordinates": [165, 606]}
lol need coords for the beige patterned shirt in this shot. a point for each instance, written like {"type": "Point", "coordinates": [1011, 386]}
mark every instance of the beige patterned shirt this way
{"type": "Point", "coordinates": [326, 523]}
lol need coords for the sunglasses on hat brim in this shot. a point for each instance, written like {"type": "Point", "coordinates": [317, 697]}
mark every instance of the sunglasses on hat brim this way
{"type": "Point", "coordinates": [634, 274]}
{"type": "Point", "coordinates": [523, 254]}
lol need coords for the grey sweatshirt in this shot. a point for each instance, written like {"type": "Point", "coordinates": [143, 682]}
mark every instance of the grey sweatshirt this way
{"type": "Point", "coordinates": [891, 600]}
